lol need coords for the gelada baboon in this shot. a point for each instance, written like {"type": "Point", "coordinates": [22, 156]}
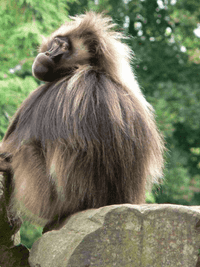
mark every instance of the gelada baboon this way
{"type": "Point", "coordinates": [87, 137]}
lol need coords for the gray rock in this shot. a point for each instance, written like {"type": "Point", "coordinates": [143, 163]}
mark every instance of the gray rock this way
{"type": "Point", "coordinates": [123, 235]}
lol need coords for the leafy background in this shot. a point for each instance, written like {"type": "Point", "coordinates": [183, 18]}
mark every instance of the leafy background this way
{"type": "Point", "coordinates": [164, 37]}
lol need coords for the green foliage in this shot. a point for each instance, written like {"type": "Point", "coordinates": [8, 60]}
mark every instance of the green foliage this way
{"type": "Point", "coordinates": [29, 234]}
{"type": "Point", "coordinates": [12, 92]}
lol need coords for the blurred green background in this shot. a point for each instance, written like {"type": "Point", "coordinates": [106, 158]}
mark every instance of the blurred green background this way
{"type": "Point", "coordinates": [164, 36]}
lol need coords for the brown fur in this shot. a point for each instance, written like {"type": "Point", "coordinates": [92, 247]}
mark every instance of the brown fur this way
{"type": "Point", "coordinates": [88, 139]}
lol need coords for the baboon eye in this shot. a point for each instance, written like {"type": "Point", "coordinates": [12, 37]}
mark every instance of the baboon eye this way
{"type": "Point", "coordinates": [65, 46]}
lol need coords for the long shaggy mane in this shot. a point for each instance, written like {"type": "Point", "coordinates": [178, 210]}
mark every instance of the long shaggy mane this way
{"type": "Point", "coordinates": [99, 141]}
